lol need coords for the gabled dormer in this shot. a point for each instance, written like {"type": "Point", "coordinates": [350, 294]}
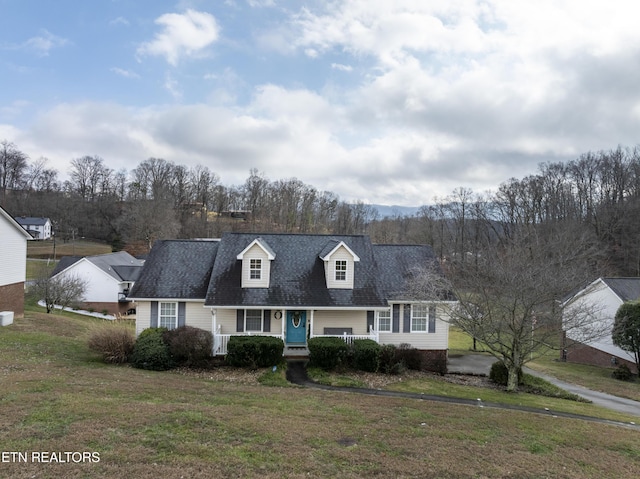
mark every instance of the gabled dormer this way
{"type": "Point", "coordinates": [339, 265]}
{"type": "Point", "coordinates": [256, 264]}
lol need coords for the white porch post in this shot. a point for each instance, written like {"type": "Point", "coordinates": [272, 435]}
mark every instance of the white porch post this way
{"type": "Point", "coordinates": [311, 323]}
{"type": "Point", "coordinates": [283, 320]}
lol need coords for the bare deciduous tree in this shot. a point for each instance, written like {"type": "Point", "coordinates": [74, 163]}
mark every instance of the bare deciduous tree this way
{"type": "Point", "coordinates": [61, 291]}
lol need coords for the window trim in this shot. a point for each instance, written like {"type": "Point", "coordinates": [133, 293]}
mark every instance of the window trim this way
{"type": "Point", "coordinates": [340, 267]}
{"type": "Point", "coordinates": [246, 329]}
{"type": "Point", "coordinates": [378, 314]}
{"type": "Point", "coordinates": [173, 317]}
{"type": "Point", "coordinates": [415, 318]}
{"type": "Point", "coordinates": [255, 268]}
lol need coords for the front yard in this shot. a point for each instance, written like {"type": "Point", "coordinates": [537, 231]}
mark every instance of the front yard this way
{"type": "Point", "coordinates": [58, 397]}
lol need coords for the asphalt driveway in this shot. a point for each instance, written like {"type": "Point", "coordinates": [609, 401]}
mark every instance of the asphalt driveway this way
{"type": "Point", "coordinates": [480, 364]}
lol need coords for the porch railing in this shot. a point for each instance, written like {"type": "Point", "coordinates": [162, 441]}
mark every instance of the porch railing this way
{"type": "Point", "coordinates": [221, 341]}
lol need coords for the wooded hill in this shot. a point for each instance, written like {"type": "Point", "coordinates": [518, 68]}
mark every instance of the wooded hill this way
{"type": "Point", "coordinates": [595, 198]}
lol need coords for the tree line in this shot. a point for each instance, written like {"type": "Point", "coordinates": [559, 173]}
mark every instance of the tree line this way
{"type": "Point", "coordinates": [595, 197]}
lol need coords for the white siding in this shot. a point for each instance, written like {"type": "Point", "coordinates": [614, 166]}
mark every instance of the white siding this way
{"type": "Point", "coordinates": [197, 316]}
{"type": "Point", "coordinates": [13, 253]}
{"type": "Point", "coordinates": [357, 320]}
{"type": "Point", "coordinates": [604, 303]}
{"type": "Point", "coordinates": [143, 316]}
{"type": "Point", "coordinates": [101, 288]}
{"type": "Point", "coordinates": [330, 269]}
{"type": "Point", "coordinates": [255, 252]}
{"type": "Point", "coordinates": [422, 340]}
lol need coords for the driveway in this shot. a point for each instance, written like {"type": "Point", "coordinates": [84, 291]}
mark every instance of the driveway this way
{"type": "Point", "coordinates": [480, 364]}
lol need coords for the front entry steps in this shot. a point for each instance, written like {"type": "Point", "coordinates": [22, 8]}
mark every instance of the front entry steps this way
{"type": "Point", "coordinates": [295, 352]}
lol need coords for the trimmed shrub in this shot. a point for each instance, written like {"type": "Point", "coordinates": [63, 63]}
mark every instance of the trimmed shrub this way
{"type": "Point", "coordinates": [189, 346]}
{"type": "Point", "coordinates": [389, 361]}
{"type": "Point", "coordinates": [151, 352]}
{"type": "Point", "coordinates": [622, 373]}
{"type": "Point", "coordinates": [114, 342]}
{"type": "Point", "coordinates": [366, 355]}
{"type": "Point", "coordinates": [254, 351]}
{"type": "Point", "coordinates": [410, 357]}
{"type": "Point", "coordinates": [499, 374]}
{"type": "Point", "coordinates": [327, 353]}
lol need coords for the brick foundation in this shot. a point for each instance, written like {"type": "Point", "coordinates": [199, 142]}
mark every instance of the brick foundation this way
{"type": "Point", "coordinates": [12, 299]}
{"type": "Point", "coordinates": [583, 354]}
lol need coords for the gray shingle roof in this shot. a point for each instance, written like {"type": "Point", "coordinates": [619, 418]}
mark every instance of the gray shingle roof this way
{"type": "Point", "coordinates": [31, 220]}
{"type": "Point", "coordinates": [176, 269]}
{"type": "Point", "coordinates": [297, 273]}
{"type": "Point", "coordinates": [211, 271]}
{"type": "Point", "coordinates": [121, 266]}
{"type": "Point", "coordinates": [627, 288]}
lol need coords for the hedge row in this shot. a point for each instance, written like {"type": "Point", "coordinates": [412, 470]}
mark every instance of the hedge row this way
{"type": "Point", "coordinates": [367, 355]}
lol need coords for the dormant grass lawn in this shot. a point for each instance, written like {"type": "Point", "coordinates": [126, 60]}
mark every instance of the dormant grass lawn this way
{"type": "Point", "coordinates": [80, 247]}
{"type": "Point", "coordinates": [56, 396]}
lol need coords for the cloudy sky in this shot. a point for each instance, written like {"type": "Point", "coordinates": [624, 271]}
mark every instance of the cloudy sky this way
{"type": "Point", "coordinates": [390, 102]}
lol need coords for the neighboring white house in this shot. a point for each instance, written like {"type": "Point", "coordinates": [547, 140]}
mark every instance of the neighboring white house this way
{"type": "Point", "coordinates": [295, 287]}
{"type": "Point", "coordinates": [601, 299]}
{"type": "Point", "coordinates": [13, 264]}
{"type": "Point", "coordinates": [39, 228]}
{"type": "Point", "coordinates": [108, 277]}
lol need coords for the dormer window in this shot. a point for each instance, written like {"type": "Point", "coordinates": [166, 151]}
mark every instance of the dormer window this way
{"type": "Point", "coordinates": [341, 270]}
{"type": "Point", "coordinates": [256, 264]}
{"type": "Point", "coordinates": [339, 265]}
{"type": "Point", "coordinates": [255, 269]}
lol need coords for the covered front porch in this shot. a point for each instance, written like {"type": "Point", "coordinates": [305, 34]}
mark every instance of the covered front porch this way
{"type": "Point", "coordinates": [294, 327]}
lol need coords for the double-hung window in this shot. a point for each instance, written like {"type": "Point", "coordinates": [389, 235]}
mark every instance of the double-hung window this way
{"type": "Point", "coordinates": [341, 270]}
{"type": "Point", "coordinates": [253, 320]}
{"type": "Point", "coordinates": [168, 315]}
{"type": "Point", "coordinates": [255, 269]}
{"type": "Point", "coordinates": [384, 321]}
{"type": "Point", "coordinates": [419, 317]}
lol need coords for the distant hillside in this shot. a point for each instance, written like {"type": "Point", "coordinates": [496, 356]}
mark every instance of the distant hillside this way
{"type": "Point", "coordinates": [386, 211]}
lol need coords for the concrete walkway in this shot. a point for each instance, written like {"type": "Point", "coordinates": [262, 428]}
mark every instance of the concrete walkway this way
{"type": "Point", "coordinates": [480, 364]}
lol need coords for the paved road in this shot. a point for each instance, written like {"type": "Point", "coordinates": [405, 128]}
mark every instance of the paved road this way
{"type": "Point", "coordinates": [480, 364]}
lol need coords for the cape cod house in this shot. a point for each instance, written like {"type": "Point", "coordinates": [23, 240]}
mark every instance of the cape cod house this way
{"type": "Point", "coordinates": [601, 298]}
{"type": "Point", "coordinates": [293, 286]}
{"type": "Point", "coordinates": [108, 277]}
{"type": "Point", "coordinates": [13, 264]}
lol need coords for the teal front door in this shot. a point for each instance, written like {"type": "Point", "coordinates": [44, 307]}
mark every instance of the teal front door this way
{"type": "Point", "coordinates": [296, 327]}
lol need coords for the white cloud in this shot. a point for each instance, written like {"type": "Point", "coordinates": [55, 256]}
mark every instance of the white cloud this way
{"type": "Point", "coordinates": [187, 34]}
{"type": "Point", "coordinates": [341, 67]}
{"type": "Point", "coordinates": [124, 73]}
{"type": "Point", "coordinates": [41, 45]}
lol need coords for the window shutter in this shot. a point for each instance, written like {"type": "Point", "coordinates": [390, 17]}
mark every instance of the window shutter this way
{"type": "Point", "coordinates": [266, 327]}
{"type": "Point", "coordinates": [240, 320]}
{"type": "Point", "coordinates": [432, 319]}
{"type": "Point", "coordinates": [406, 323]}
{"type": "Point", "coordinates": [370, 320]}
{"type": "Point", "coordinates": [182, 313]}
{"type": "Point", "coordinates": [154, 315]}
{"type": "Point", "coordinates": [396, 318]}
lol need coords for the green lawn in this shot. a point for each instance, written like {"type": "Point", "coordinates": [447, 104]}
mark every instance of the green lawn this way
{"type": "Point", "coordinates": [57, 396]}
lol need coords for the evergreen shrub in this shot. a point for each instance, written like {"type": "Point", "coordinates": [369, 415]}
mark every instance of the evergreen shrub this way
{"type": "Point", "coordinates": [151, 352]}
{"type": "Point", "coordinates": [254, 351]}
{"type": "Point", "coordinates": [327, 353]}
